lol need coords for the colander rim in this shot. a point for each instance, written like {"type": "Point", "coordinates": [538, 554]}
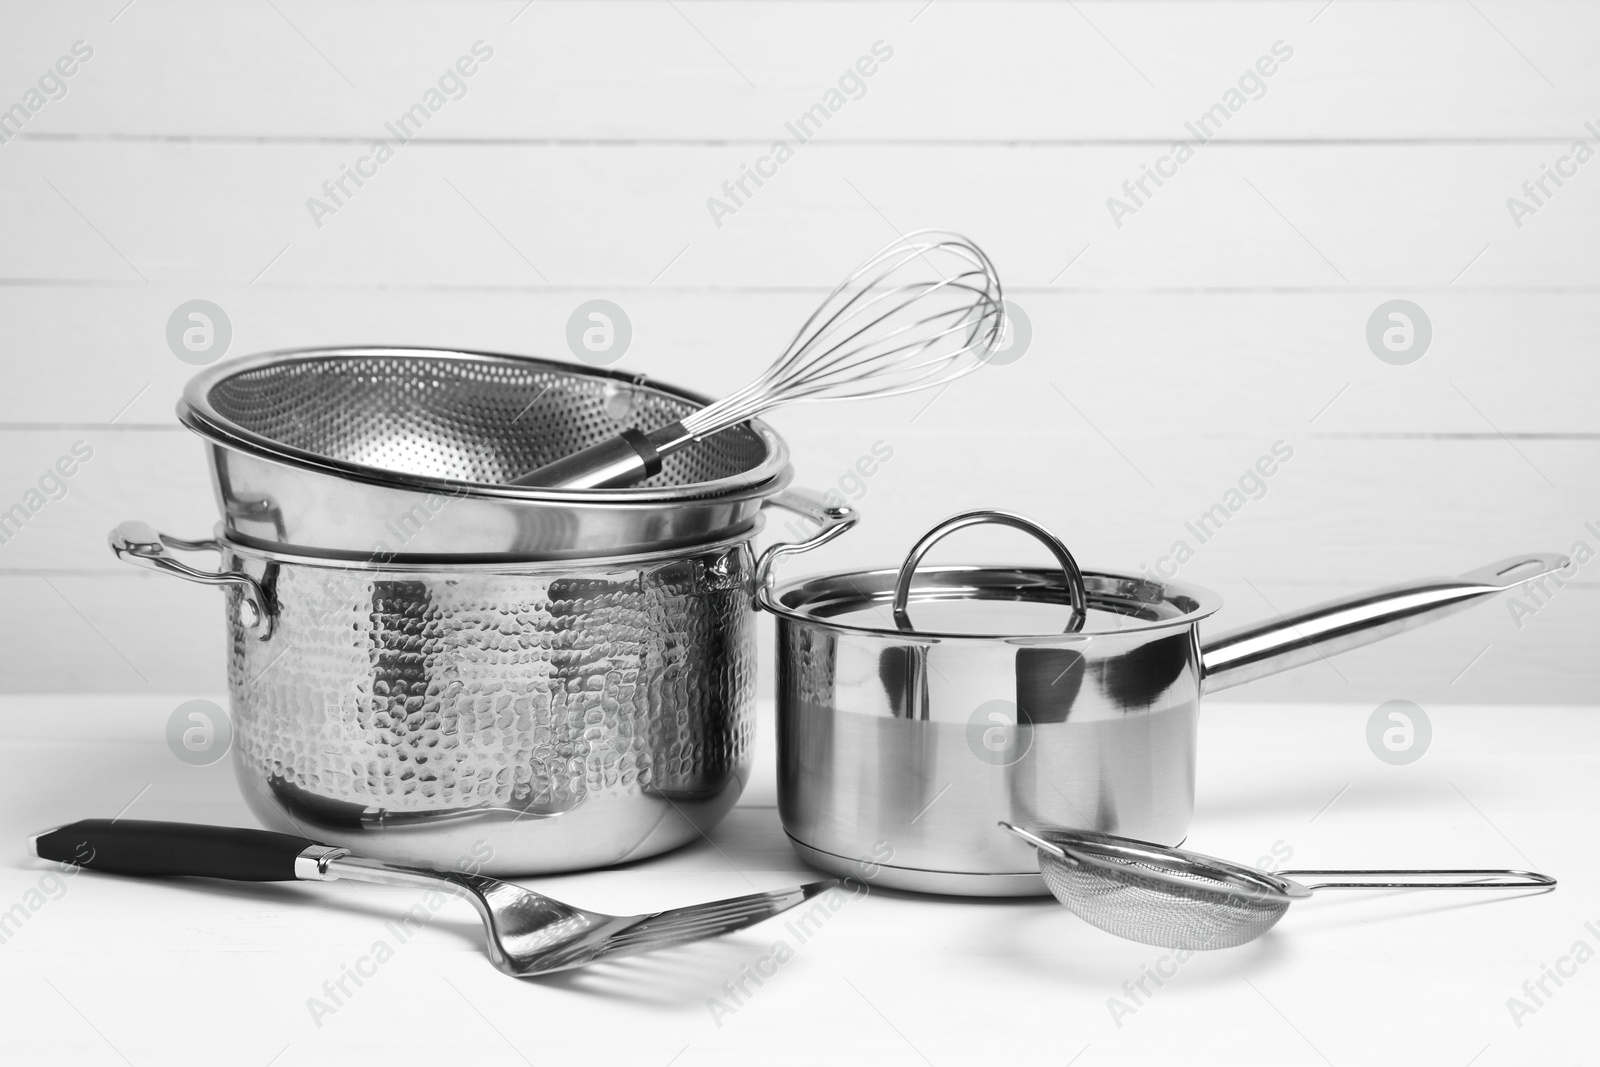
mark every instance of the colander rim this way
{"type": "Point", "coordinates": [196, 412]}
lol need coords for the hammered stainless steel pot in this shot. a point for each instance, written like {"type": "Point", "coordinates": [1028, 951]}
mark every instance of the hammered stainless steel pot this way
{"type": "Point", "coordinates": [528, 717]}
{"type": "Point", "coordinates": [365, 453]}
{"type": "Point", "coordinates": [916, 708]}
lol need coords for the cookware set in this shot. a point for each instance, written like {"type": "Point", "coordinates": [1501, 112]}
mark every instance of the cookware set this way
{"type": "Point", "coordinates": [502, 607]}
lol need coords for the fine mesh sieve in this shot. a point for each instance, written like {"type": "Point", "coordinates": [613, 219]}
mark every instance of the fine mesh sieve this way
{"type": "Point", "coordinates": [405, 452]}
{"type": "Point", "coordinates": [1177, 899]}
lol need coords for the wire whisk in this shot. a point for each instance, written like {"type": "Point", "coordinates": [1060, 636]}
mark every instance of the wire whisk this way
{"type": "Point", "coordinates": [923, 311]}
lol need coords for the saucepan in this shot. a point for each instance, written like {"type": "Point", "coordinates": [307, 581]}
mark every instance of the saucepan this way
{"type": "Point", "coordinates": [918, 707]}
{"type": "Point", "coordinates": [551, 715]}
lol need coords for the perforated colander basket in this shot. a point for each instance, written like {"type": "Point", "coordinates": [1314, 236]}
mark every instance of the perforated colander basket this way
{"type": "Point", "coordinates": [451, 416]}
{"type": "Point", "coordinates": [371, 432]}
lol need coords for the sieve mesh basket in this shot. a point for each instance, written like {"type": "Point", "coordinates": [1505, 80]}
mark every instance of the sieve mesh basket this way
{"type": "Point", "coordinates": [1174, 904]}
{"type": "Point", "coordinates": [1178, 899]}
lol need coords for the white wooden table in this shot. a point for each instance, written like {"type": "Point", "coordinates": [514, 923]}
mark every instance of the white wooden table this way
{"type": "Point", "coordinates": [98, 969]}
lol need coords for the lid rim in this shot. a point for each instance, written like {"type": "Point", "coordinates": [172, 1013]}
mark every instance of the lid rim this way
{"type": "Point", "coordinates": [1206, 603]}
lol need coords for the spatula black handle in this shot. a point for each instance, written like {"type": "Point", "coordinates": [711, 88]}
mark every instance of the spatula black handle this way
{"type": "Point", "coordinates": [132, 846]}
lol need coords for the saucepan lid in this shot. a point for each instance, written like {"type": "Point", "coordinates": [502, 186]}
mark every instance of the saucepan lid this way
{"type": "Point", "coordinates": [989, 601]}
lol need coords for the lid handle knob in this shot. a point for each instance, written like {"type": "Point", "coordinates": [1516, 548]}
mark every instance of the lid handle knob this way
{"type": "Point", "coordinates": [991, 516]}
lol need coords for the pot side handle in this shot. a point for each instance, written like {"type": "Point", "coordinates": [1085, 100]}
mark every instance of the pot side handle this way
{"type": "Point", "coordinates": [140, 544]}
{"type": "Point", "coordinates": [831, 520]}
{"type": "Point", "coordinates": [1255, 651]}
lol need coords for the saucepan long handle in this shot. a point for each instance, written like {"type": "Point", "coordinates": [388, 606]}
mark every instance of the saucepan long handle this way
{"type": "Point", "coordinates": [1315, 633]}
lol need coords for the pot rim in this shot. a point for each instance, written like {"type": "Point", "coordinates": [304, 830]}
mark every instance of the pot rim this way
{"type": "Point", "coordinates": [195, 411]}
{"type": "Point", "coordinates": [1196, 602]}
{"type": "Point", "coordinates": [484, 565]}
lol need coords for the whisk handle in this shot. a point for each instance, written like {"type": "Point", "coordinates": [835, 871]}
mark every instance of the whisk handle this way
{"type": "Point", "coordinates": [629, 457]}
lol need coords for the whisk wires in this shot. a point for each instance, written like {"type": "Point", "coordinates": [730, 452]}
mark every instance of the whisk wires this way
{"type": "Point", "coordinates": [923, 311]}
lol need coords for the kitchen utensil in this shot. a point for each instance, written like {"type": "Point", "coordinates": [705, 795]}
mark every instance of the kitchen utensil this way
{"type": "Point", "coordinates": [570, 714]}
{"type": "Point", "coordinates": [1001, 703]}
{"type": "Point", "coordinates": [1173, 898]}
{"type": "Point", "coordinates": [383, 453]}
{"type": "Point", "coordinates": [922, 312]}
{"type": "Point", "coordinates": [527, 933]}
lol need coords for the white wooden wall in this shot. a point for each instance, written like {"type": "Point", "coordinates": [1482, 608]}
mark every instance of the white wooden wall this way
{"type": "Point", "coordinates": [1167, 354]}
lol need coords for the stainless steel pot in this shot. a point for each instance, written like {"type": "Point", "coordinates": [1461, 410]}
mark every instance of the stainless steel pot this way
{"type": "Point", "coordinates": [916, 708]}
{"type": "Point", "coordinates": [531, 717]}
{"type": "Point", "coordinates": [374, 453]}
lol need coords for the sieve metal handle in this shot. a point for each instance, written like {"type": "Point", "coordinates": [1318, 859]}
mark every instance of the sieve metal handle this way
{"type": "Point", "coordinates": [831, 519]}
{"type": "Point", "coordinates": [1452, 879]}
{"type": "Point", "coordinates": [142, 545]}
{"type": "Point", "coordinates": [981, 517]}
{"type": "Point", "coordinates": [1038, 842]}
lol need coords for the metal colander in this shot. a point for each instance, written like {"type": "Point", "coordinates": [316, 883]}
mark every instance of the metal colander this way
{"type": "Point", "coordinates": [406, 451]}
{"type": "Point", "coordinates": [1177, 899]}
{"type": "Point", "coordinates": [456, 416]}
